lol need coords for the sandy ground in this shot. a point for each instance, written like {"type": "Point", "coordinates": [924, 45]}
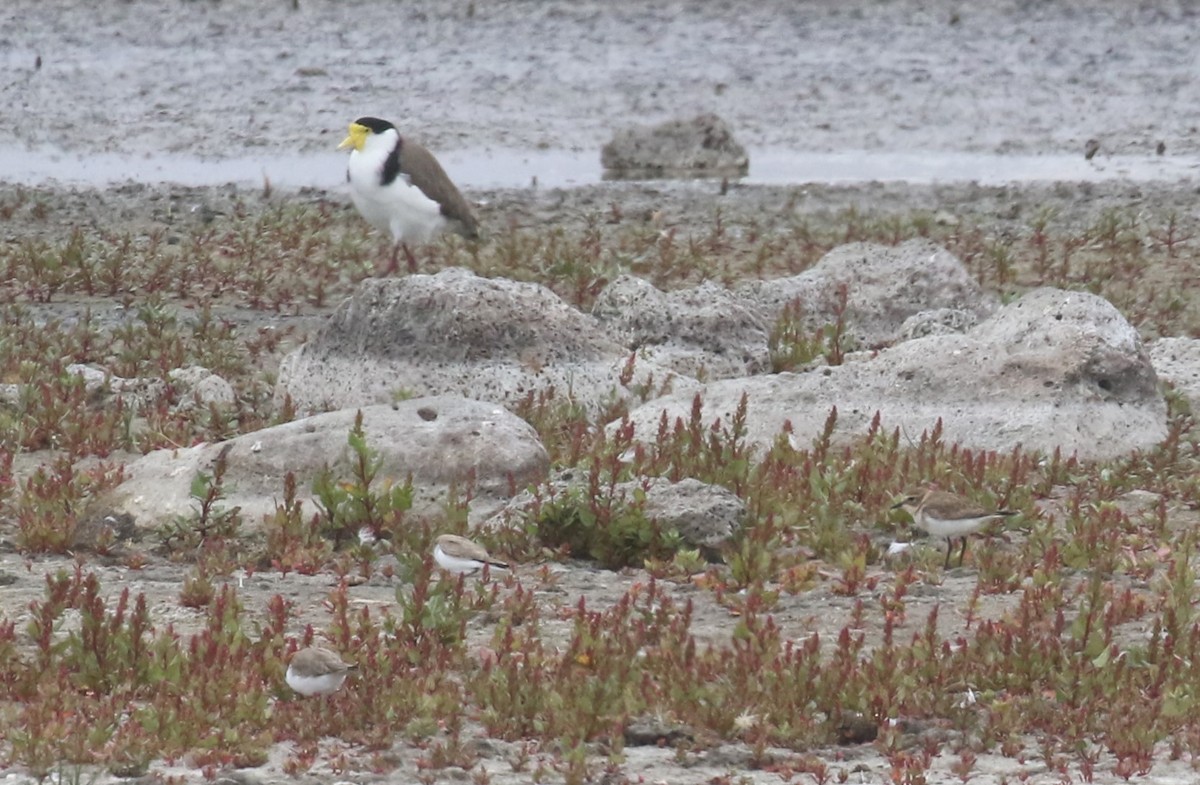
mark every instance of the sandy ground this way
{"type": "Point", "coordinates": [216, 77]}
{"type": "Point", "coordinates": [235, 77]}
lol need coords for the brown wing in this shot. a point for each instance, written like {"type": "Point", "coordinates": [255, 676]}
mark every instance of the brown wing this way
{"type": "Point", "coordinates": [463, 548]}
{"type": "Point", "coordinates": [942, 504]}
{"type": "Point", "coordinates": [423, 171]}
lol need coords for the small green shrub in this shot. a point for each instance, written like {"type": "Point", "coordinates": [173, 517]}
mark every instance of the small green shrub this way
{"type": "Point", "coordinates": [613, 533]}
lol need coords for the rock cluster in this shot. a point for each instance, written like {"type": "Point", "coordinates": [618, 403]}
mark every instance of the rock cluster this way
{"type": "Point", "coordinates": [1052, 369]}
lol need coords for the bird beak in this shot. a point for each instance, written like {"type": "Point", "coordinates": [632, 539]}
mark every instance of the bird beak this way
{"type": "Point", "coordinates": [898, 504]}
{"type": "Point", "coordinates": [358, 135]}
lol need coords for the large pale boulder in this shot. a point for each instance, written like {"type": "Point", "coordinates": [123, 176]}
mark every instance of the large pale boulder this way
{"type": "Point", "coordinates": [1053, 369]}
{"type": "Point", "coordinates": [458, 333]}
{"type": "Point", "coordinates": [1177, 361]}
{"type": "Point", "coordinates": [710, 332]}
{"type": "Point", "coordinates": [704, 332]}
{"type": "Point", "coordinates": [441, 442]}
{"type": "Point", "coordinates": [884, 287]}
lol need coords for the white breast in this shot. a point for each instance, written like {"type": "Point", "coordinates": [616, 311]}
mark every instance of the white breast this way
{"type": "Point", "coordinates": [314, 685]}
{"type": "Point", "coordinates": [953, 527]}
{"type": "Point", "coordinates": [454, 563]}
{"type": "Point", "coordinates": [398, 207]}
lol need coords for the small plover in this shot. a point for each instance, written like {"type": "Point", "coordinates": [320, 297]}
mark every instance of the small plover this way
{"type": "Point", "coordinates": [317, 671]}
{"type": "Point", "coordinates": [458, 554]}
{"type": "Point", "coordinates": [948, 515]}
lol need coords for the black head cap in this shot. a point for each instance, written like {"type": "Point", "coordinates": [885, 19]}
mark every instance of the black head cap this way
{"type": "Point", "coordinates": [376, 125]}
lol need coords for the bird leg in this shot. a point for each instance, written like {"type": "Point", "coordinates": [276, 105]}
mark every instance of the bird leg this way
{"type": "Point", "coordinates": [393, 266]}
{"type": "Point", "coordinates": [963, 553]}
{"type": "Point", "coordinates": [390, 266]}
{"type": "Point", "coordinates": [949, 550]}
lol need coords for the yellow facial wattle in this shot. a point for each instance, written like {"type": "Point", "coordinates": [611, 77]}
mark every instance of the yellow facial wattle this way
{"type": "Point", "coordinates": [357, 137]}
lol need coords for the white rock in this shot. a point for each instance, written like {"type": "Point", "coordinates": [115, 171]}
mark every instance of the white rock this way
{"type": "Point", "coordinates": [1177, 360]}
{"type": "Point", "coordinates": [1053, 369]}
{"type": "Point", "coordinates": [441, 442]}
{"type": "Point", "coordinates": [706, 331]}
{"type": "Point", "coordinates": [885, 286]}
{"type": "Point", "coordinates": [200, 384]}
{"type": "Point", "coordinates": [457, 333]}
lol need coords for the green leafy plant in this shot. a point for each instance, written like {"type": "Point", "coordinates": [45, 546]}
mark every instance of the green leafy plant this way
{"type": "Point", "coordinates": [1070, 642]}
{"type": "Point", "coordinates": [793, 344]}
{"type": "Point", "coordinates": [212, 521]}
{"type": "Point", "coordinates": [366, 501]}
{"type": "Point", "coordinates": [614, 533]}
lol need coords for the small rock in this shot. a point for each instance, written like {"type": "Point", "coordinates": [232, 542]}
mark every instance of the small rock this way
{"type": "Point", "coordinates": [706, 516]}
{"type": "Point", "coordinates": [939, 321]}
{"type": "Point", "coordinates": [235, 777]}
{"type": "Point", "coordinates": [701, 146]}
{"type": "Point", "coordinates": [857, 729]}
{"type": "Point", "coordinates": [104, 530]}
{"type": "Point", "coordinates": [656, 732]}
{"type": "Point", "coordinates": [198, 384]}
{"type": "Point", "coordinates": [100, 385]}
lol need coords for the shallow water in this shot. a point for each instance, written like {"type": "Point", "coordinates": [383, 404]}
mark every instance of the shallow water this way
{"type": "Point", "coordinates": [499, 168]}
